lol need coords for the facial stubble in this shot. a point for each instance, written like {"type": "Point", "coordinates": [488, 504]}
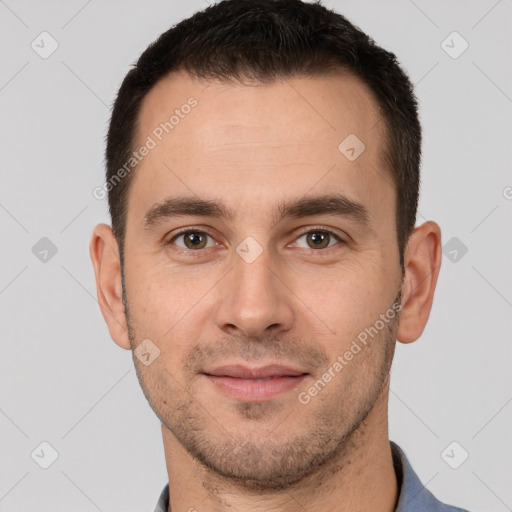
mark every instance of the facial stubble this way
{"type": "Point", "coordinates": [257, 457]}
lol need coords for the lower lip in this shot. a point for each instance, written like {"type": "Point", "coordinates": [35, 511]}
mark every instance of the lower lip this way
{"type": "Point", "coordinates": [256, 389]}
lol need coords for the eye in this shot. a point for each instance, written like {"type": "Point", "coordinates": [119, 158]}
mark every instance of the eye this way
{"type": "Point", "coordinates": [319, 239]}
{"type": "Point", "coordinates": [195, 240]}
{"type": "Point", "coordinates": [192, 239]}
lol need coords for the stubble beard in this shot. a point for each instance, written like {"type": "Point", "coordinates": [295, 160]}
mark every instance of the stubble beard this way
{"type": "Point", "coordinates": [262, 462]}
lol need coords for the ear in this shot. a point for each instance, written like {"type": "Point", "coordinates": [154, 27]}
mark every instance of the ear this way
{"type": "Point", "coordinates": [422, 262]}
{"type": "Point", "coordinates": [104, 253]}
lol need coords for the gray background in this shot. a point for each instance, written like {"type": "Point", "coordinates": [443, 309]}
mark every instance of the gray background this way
{"type": "Point", "coordinates": [62, 379]}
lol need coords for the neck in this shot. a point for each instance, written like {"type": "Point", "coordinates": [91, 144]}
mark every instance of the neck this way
{"type": "Point", "coordinates": [359, 477]}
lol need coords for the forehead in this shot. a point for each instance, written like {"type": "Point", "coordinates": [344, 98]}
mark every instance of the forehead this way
{"type": "Point", "coordinates": [330, 104]}
{"type": "Point", "coordinates": [285, 138]}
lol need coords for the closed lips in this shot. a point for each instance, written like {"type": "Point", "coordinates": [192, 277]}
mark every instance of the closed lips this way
{"type": "Point", "coordinates": [265, 372]}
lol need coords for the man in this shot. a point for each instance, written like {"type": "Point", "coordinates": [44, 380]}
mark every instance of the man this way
{"type": "Point", "coordinates": [263, 170]}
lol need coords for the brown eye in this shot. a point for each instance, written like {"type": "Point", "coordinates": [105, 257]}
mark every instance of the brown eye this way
{"type": "Point", "coordinates": [193, 240]}
{"type": "Point", "coordinates": [317, 239]}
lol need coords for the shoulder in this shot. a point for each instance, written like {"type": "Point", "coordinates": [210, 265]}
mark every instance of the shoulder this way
{"type": "Point", "coordinates": [414, 496]}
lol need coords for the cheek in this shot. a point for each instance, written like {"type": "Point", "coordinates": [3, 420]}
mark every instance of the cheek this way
{"type": "Point", "coordinates": [345, 301]}
{"type": "Point", "coordinates": [165, 306]}
{"type": "Point", "coordinates": [150, 292]}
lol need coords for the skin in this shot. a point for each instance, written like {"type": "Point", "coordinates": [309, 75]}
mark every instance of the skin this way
{"type": "Point", "coordinates": [252, 147]}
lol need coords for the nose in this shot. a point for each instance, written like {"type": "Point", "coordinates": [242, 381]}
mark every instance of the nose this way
{"type": "Point", "coordinates": [255, 300]}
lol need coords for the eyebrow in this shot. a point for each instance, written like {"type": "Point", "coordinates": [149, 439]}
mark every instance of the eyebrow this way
{"type": "Point", "coordinates": [331, 204]}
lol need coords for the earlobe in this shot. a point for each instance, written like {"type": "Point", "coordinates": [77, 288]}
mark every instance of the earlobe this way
{"type": "Point", "coordinates": [422, 263]}
{"type": "Point", "coordinates": [104, 254]}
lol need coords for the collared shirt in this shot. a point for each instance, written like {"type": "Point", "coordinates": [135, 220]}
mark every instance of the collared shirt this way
{"type": "Point", "coordinates": [413, 496]}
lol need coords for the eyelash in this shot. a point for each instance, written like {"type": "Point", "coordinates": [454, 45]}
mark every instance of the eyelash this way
{"type": "Point", "coordinates": [199, 251]}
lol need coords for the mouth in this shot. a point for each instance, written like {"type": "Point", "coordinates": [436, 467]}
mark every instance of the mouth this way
{"type": "Point", "coordinates": [257, 383]}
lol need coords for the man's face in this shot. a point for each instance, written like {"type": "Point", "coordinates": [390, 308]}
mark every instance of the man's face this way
{"type": "Point", "coordinates": [272, 284]}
